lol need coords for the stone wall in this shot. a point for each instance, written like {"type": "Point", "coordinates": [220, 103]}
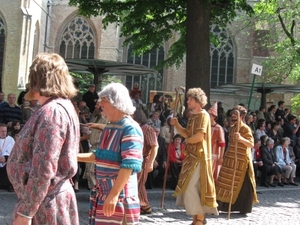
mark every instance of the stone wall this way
{"type": "Point", "coordinates": [26, 37]}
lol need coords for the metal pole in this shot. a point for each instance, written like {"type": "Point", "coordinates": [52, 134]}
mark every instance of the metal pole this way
{"type": "Point", "coordinates": [250, 97]}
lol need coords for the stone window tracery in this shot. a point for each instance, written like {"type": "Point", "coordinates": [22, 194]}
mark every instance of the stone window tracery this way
{"type": "Point", "coordinates": [146, 82]}
{"type": "Point", "coordinates": [222, 58]}
{"type": "Point", "coordinates": [77, 40]}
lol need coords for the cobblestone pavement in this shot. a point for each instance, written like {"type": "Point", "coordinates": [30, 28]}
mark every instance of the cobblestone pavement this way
{"type": "Point", "coordinates": [280, 206]}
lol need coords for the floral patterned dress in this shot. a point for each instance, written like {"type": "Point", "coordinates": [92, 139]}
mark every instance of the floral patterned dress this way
{"type": "Point", "coordinates": [43, 161]}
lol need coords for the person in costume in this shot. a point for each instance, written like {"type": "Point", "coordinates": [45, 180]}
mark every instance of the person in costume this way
{"type": "Point", "coordinates": [176, 159]}
{"type": "Point", "coordinates": [240, 175]}
{"type": "Point", "coordinates": [135, 90]}
{"type": "Point", "coordinates": [96, 125]}
{"type": "Point", "coordinates": [44, 157]}
{"type": "Point", "coordinates": [217, 141]}
{"type": "Point", "coordinates": [118, 157]}
{"type": "Point", "coordinates": [196, 189]}
{"type": "Point", "coordinates": [149, 155]}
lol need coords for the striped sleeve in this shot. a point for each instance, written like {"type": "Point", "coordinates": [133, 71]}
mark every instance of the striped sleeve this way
{"type": "Point", "coordinates": [132, 147]}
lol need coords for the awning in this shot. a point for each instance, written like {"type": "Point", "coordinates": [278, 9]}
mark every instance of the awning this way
{"type": "Point", "coordinates": [100, 66]}
{"type": "Point", "coordinates": [262, 88]}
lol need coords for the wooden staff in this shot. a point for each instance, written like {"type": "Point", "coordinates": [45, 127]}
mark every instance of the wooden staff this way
{"type": "Point", "coordinates": [168, 150]}
{"type": "Point", "coordinates": [235, 162]}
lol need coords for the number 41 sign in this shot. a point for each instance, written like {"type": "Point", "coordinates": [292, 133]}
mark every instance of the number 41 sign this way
{"type": "Point", "coordinates": [256, 69]}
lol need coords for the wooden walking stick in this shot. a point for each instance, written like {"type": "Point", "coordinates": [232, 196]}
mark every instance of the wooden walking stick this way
{"type": "Point", "coordinates": [168, 150]}
{"type": "Point", "coordinates": [235, 162]}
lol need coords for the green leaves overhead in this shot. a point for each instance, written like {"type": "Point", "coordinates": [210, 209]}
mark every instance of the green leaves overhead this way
{"type": "Point", "coordinates": [281, 18]}
{"type": "Point", "coordinates": [148, 24]}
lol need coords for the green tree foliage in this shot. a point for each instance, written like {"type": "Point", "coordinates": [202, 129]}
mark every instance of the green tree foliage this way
{"type": "Point", "coordinates": [148, 24]}
{"type": "Point", "coordinates": [83, 80]}
{"type": "Point", "coordinates": [281, 19]}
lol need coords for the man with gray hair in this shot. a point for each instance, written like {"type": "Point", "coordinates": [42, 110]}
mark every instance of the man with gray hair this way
{"type": "Point", "coordinates": [118, 159]}
{"type": "Point", "coordinates": [270, 166]}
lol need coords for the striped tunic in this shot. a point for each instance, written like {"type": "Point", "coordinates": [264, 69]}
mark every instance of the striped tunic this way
{"type": "Point", "coordinates": [244, 166]}
{"type": "Point", "coordinates": [150, 139]}
{"type": "Point", "coordinates": [120, 147]}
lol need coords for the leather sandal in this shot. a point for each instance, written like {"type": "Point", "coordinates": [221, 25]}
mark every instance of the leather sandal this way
{"type": "Point", "coordinates": [202, 222]}
{"type": "Point", "coordinates": [147, 210]}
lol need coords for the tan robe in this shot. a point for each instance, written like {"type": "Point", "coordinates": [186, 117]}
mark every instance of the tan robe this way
{"type": "Point", "coordinates": [195, 154]}
{"type": "Point", "coordinates": [244, 164]}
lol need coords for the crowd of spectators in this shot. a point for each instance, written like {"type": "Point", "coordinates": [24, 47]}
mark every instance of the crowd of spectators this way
{"type": "Point", "coordinates": [275, 153]}
{"type": "Point", "coordinates": [270, 127]}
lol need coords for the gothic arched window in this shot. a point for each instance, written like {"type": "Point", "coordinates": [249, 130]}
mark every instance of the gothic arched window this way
{"type": "Point", "coordinates": [2, 44]}
{"type": "Point", "coordinates": [150, 81]}
{"type": "Point", "coordinates": [36, 40]}
{"type": "Point", "coordinates": [77, 40]}
{"type": "Point", "coordinates": [222, 58]}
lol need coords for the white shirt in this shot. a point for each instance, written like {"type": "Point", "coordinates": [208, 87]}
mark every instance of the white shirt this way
{"type": "Point", "coordinates": [6, 145]}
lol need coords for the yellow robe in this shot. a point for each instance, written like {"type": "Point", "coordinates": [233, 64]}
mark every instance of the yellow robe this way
{"type": "Point", "coordinates": [244, 164]}
{"type": "Point", "coordinates": [198, 153]}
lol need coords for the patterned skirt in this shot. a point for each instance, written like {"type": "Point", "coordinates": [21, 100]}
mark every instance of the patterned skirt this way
{"type": "Point", "coordinates": [127, 209]}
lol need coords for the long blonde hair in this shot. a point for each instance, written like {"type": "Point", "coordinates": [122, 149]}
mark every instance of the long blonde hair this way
{"type": "Point", "coordinates": [49, 76]}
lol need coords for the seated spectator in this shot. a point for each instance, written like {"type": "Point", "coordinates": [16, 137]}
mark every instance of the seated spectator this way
{"type": "Point", "coordinates": [185, 117]}
{"type": "Point", "coordinates": [249, 122]}
{"type": "Point", "coordinates": [2, 101]}
{"type": "Point", "coordinates": [10, 112]}
{"type": "Point", "coordinates": [157, 104]}
{"type": "Point", "coordinates": [154, 120]}
{"type": "Point", "coordinates": [261, 113]}
{"type": "Point", "coordinates": [176, 159]}
{"type": "Point", "coordinates": [135, 90]}
{"type": "Point", "coordinates": [255, 120]}
{"type": "Point", "coordinates": [260, 129]}
{"type": "Point", "coordinates": [275, 134]}
{"type": "Point", "coordinates": [165, 131]}
{"type": "Point", "coordinates": [29, 109]}
{"type": "Point", "coordinates": [136, 101]}
{"type": "Point", "coordinates": [285, 162]}
{"type": "Point", "coordinates": [21, 98]}
{"type": "Point", "coordinates": [268, 127]}
{"type": "Point", "coordinates": [270, 166]}
{"type": "Point", "coordinates": [6, 143]}
{"type": "Point", "coordinates": [263, 139]}
{"type": "Point", "coordinates": [270, 114]}
{"type": "Point", "coordinates": [157, 175]}
{"type": "Point", "coordinates": [257, 162]}
{"type": "Point", "coordinates": [15, 129]}
{"type": "Point", "coordinates": [280, 126]}
{"type": "Point", "coordinates": [297, 152]}
{"type": "Point", "coordinates": [291, 128]}
{"type": "Point", "coordinates": [84, 112]}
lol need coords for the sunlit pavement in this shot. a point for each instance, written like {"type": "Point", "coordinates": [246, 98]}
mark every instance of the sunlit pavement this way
{"type": "Point", "coordinates": [280, 205]}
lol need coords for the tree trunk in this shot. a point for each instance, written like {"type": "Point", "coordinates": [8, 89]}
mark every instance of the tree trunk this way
{"type": "Point", "coordinates": [198, 45]}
